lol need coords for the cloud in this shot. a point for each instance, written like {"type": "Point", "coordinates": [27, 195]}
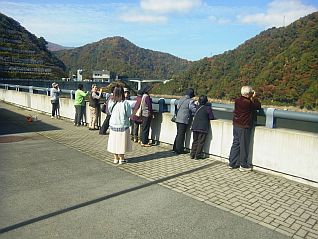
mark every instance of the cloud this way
{"type": "Point", "coordinates": [279, 13]}
{"type": "Point", "coordinates": [143, 18]}
{"type": "Point", "coordinates": [168, 6]}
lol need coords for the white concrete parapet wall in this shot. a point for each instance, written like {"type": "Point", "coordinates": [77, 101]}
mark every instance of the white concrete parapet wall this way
{"type": "Point", "coordinates": [286, 151]}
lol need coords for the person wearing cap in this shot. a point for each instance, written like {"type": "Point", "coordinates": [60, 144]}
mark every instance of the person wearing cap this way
{"type": "Point", "coordinates": [55, 99]}
{"type": "Point", "coordinates": [186, 108]}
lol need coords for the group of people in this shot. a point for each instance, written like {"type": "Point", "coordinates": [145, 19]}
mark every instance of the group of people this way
{"type": "Point", "coordinates": [123, 113]}
{"type": "Point", "coordinates": [199, 113]}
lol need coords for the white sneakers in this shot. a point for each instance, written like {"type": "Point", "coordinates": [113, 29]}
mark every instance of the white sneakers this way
{"type": "Point", "coordinates": [242, 169]}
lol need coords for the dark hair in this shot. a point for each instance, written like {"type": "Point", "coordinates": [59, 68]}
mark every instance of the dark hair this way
{"type": "Point", "coordinates": [139, 92]}
{"type": "Point", "coordinates": [190, 92]}
{"type": "Point", "coordinates": [203, 100]}
{"type": "Point", "coordinates": [146, 89]}
{"type": "Point", "coordinates": [80, 87]}
{"type": "Point", "coordinates": [118, 93]}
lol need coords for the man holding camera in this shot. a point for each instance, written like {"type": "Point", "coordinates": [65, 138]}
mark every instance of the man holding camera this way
{"type": "Point", "coordinates": [244, 110]}
{"type": "Point", "coordinates": [55, 99]}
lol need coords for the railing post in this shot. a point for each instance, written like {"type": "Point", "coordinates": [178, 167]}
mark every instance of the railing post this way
{"type": "Point", "coordinates": [161, 103]}
{"type": "Point", "coordinates": [71, 94]}
{"type": "Point", "coordinates": [270, 119]}
{"type": "Point", "coordinates": [17, 88]}
{"type": "Point", "coordinates": [48, 91]}
{"type": "Point", "coordinates": [31, 89]}
{"type": "Point", "coordinates": [172, 106]}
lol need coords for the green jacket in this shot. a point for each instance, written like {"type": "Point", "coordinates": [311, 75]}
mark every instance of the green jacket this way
{"type": "Point", "coordinates": [80, 97]}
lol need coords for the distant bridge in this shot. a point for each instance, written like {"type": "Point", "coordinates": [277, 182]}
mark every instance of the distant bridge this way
{"type": "Point", "coordinates": [139, 81]}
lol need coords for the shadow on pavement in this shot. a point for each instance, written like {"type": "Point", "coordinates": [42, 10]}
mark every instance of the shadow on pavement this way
{"type": "Point", "coordinates": [14, 123]}
{"type": "Point", "coordinates": [157, 155]}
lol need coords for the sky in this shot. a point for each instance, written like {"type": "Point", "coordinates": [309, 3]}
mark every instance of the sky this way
{"type": "Point", "coordinates": [189, 29]}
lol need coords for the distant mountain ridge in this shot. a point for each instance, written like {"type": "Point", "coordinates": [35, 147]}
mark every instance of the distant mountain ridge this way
{"type": "Point", "coordinates": [119, 55]}
{"type": "Point", "coordinates": [55, 47]}
{"type": "Point", "coordinates": [280, 63]}
{"type": "Point", "coordinates": [23, 55]}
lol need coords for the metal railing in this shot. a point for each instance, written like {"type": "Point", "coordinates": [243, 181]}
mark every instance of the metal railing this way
{"type": "Point", "coordinates": [169, 105]}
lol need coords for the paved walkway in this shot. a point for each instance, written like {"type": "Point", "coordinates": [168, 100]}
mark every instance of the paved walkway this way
{"type": "Point", "coordinates": [276, 203]}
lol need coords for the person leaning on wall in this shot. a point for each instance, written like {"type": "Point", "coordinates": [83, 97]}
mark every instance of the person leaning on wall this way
{"type": "Point", "coordinates": [200, 127]}
{"type": "Point", "coordinates": [244, 109]}
{"type": "Point", "coordinates": [55, 99]}
{"type": "Point", "coordinates": [79, 104]}
{"type": "Point", "coordinates": [185, 111]}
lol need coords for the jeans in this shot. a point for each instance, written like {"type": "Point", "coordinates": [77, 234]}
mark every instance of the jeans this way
{"type": "Point", "coordinates": [79, 113]}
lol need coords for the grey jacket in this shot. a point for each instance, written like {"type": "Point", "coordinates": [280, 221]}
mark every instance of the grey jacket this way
{"type": "Point", "coordinates": [186, 109]}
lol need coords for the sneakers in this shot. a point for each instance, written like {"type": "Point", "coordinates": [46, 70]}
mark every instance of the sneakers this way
{"type": "Point", "coordinates": [233, 167]}
{"type": "Point", "coordinates": [145, 145]}
{"type": "Point", "coordinates": [242, 169]}
{"type": "Point", "coordinates": [122, 161]}
{"type": "Point", "coordinates": [116, 161]}
{"type": "Point", "coordinates": [52, 117]}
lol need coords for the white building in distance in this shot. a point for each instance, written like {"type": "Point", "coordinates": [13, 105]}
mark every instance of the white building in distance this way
{"type": "Point", "coordinates": [102, 76]}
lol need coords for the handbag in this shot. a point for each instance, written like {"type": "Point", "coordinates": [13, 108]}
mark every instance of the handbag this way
{"type": "Point", "coordinates": [103, 109]}
{"type": "Point", "coordinates": [138, 112]}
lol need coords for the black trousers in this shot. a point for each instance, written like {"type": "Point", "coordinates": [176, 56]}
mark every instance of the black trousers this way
{"type": "Point", "coordinates": [197, 144]}
{"type": "Point", "coordinates": [178, 145]}
{"type": "Point", "coordinates": [240, 147]}
{"type": "Point", "coordinates": [55, 106]}
{"type": "Point", "coordinates": [105, 125]}
{"type": "Point", "coordinates": [145, 127]}
{"type": "Point", "coordinates": [135, 130]}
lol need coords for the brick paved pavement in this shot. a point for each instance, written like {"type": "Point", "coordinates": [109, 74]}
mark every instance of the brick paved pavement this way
{"type": "Point", "coordinates": [277, 203]}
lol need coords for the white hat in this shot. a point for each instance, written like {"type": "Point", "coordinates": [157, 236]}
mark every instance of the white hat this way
{"type": "Point", "coordinates": [126, 90]}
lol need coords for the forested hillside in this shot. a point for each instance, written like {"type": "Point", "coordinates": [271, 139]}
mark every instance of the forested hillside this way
{"type": "Point", "coordinates": [23, 55]}
{"type": "Point", "coordinates": [281, 63]}
{"type": "Point", "coordinates": [122, 57]}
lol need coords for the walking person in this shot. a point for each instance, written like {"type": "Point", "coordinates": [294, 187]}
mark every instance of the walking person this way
{"type": "Point", "coordinates": [79, 104]}
{"type": "Point", "coordinates": [146, 115]}
{"type": "Point", "coordinates": [94, 107]}
{"type": "Point", "coordinates": [119, 135]}
{"type": "Point", "coordinates": [136, 120]}
{"type": "Point", "coordinates": [200, 127]}
{"type": "Point", "coordinates": [244, 110]}
{"type": "Point", "coordinates": [55, 100]}
{"type": "Point", "coordinates": [186, 109]}
{"type": "Point", "coordinates": [109, 99]}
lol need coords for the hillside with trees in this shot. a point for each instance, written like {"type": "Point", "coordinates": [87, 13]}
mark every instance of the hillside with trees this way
{"type": "Point", "coordinates": [280, 63]}
{"type": "Point", "coordinates": [23, 55]}
{"type": "Point", "coordinates": [122, 57]}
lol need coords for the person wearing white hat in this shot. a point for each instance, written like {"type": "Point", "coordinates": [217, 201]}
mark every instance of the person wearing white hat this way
{"type": "Point", "coordinates": [55, 99]}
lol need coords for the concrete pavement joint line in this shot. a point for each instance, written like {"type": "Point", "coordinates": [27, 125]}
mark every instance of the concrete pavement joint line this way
{"type": "Point", "coordinates": [100, 199]}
